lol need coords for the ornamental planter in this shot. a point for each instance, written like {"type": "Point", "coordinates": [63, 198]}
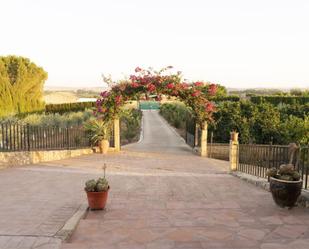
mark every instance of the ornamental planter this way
{"type": "Point", "coordinates": [97, 200]}
{"type": "Point", "coordinates": [285, 193]}
{"type": "Point", "coordinates": [104, 146]}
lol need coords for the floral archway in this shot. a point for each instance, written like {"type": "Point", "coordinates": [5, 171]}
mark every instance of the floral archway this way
{"type": "Point", "coordinates": [145, 82]}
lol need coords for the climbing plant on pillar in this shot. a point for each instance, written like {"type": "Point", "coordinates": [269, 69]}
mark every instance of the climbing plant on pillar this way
{"type": "Point", "coordinates": [145, 82]}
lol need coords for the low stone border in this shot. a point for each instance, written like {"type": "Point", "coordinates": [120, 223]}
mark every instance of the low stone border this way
{"type": "Point", "coordinates": [19, 158]}
{"type": "Point", "coordinates": [10, 159]}
{"type": "Point", "coordinates": [303, 200]}
{"type": "Point", "coordinates": [67, 230]}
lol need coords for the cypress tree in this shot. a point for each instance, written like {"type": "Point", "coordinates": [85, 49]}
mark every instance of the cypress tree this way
{"type": "Point", "coordinates": [21, 85]}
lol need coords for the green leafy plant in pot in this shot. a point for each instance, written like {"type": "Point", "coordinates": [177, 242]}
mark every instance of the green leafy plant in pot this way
{"type": "Point", "coordinates": [99, 133]}
{"type": "Point", "coordinates": [285, 185]}
{"type": "Point", "coordinates": [97, 192]}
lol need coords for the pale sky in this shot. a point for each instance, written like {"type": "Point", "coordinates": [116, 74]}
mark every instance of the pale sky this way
{"type": "Point", "coordinates": [237, 43]}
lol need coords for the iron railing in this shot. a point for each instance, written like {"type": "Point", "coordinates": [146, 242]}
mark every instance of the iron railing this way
{"type": "Point", "coordinates": [256, 159]}
{"type": "Point", "coordinates": [190, 132]}
{"type": "Point", "coordinates": [218, 151]}
{"type": "Point", "coordinates": [302, 164]}
{"type": "Point", "coordinates": [20, 137]}
{"type": "Point", "coordinates": [25, 137]}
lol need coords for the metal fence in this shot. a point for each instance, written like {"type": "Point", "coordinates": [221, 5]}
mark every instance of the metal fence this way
{"type": "Point", "coordinates": [17, 137]}
{"type": "Point", "coordinates": [218, 151]}
{"type": "Point", "coordinates": [256, 159]}
{"type": "Point", "coordinates": [190, 132]}
{"type": "Point", "coordinates": [302, 164]}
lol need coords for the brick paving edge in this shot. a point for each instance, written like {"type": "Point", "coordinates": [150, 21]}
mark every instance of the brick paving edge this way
{"type": "Point", "coordinates": [303, 200]}
{"type": "Point", "coordinates": [69, 227]}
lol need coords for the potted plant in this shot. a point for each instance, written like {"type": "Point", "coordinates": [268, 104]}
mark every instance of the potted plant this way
{"type": "Point", "coordinates": [99, 132]}
{"type": "Point", "coordinates": [285, 185]}
{"type": "Point", "coordinates": [97, 192]}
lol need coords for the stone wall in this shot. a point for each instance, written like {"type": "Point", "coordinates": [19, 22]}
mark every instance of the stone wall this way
{"type": "Point", "coordinates": [10, 159]}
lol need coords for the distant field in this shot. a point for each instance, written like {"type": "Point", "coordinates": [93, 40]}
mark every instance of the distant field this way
{"type": "Point", "coordinates": [60, 97]}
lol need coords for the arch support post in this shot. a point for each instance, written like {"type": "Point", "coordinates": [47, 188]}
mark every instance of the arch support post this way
{"type": "Point", "coordinates": [234, 151]}
{"type": "Point", "coordinates": [117, 134]}
{"type": "Point", "coordinates": [204, 130]}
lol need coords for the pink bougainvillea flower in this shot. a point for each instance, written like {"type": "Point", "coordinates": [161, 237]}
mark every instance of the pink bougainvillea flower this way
{"type": "Point", "coordinates": [196, 93]}
{"type": "Point", "coordinates": [118, 99]}
{"type": "Point", "coordinates": [210, 107]}
{"type": "Point", "coordinates": [98, 102]}
{"type": "Point", "coordinates": [212, 89]}
{"type": "Point", "coordinates": [170, 86]}
{"type": "Point", "coordinates": [134, 84]}
{"type": "Point", "coordinates": [184, 85]}
{"type": "Point", "coordinates": [104, 94]}
{"type": "Point", "coordinates": [138, 69]}
{"type": "Point", "coordinates": [144, 81]}
{"type": "Point", "coordinates": [133, 77]}
{"type": "Point", "coordinates": [198, 83]}
{"type": "Point", "coordinates": [151, 87]}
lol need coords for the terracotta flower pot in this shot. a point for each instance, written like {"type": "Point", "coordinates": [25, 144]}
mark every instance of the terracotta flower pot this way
{"type": "Point", "coordinates": [104, 146]}
{"type": "Point", "coordinates": [97, 200]}
{"type": "Point", "coordinates": [285, 193]}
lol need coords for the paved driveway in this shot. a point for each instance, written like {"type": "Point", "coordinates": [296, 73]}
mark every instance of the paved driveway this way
{"type": "Point", "coordinates": [162, 196]}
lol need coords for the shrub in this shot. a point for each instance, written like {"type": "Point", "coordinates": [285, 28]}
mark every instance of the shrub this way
{"type": "Point", "coordinates": [176, 114]}
{"type": "Point", "coordinates": [261, 123]}
{"type": "Point", "coordinates": [130, 125]}
{"type": "Point", "coordinates": [276, 100]}
{"type": "Point", "coordinates": [69, 107]}
{"type": "Point", "coordinates": [55, 120]}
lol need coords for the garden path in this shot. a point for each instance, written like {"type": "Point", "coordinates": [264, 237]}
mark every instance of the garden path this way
{"type": "Point", "coordinates": [158, 136]}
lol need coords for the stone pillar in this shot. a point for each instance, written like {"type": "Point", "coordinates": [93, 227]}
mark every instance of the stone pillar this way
{"type": "Point", "coordinates": [234, 152]}
{"type": "Point", "coordinates": [204, 130]}
{"type": "Point", "coordinates": [117, 134]}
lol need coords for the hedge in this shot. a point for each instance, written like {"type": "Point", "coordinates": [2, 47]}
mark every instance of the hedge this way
{"type": "Point", "coordinates": [233, 98]}
{"type": "Point", "coordinates": [69, 107]}
{"type": "Point", "coordinates": [276, 100]}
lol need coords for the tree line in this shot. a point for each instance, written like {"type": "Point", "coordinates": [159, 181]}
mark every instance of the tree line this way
{"type": "Point", "coordinates": [261, 123]}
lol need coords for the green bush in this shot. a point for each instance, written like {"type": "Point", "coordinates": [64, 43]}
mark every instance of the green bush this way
{"type": "Point", "coordinates": [176, 114]}
{"type": "Point", "coordinates": [261, 123]}
{"type": "Point", "coordinates": [69, 107]}
{"type": "Point", "coordinates": [234, 98]}
{"type": "Point", "coordinates": [130, 121]}
{"type": "Point", "coordinates": [276, 100]}
{"type": "Point", "coordinates": [55, 120]}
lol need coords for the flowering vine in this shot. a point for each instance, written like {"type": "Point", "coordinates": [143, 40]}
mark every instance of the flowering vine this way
{"type": "Point", "coordinates": [196, 95]}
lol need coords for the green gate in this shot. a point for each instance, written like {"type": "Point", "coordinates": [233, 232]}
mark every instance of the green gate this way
{"type": "Point", "coordinates": [149, 105]}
